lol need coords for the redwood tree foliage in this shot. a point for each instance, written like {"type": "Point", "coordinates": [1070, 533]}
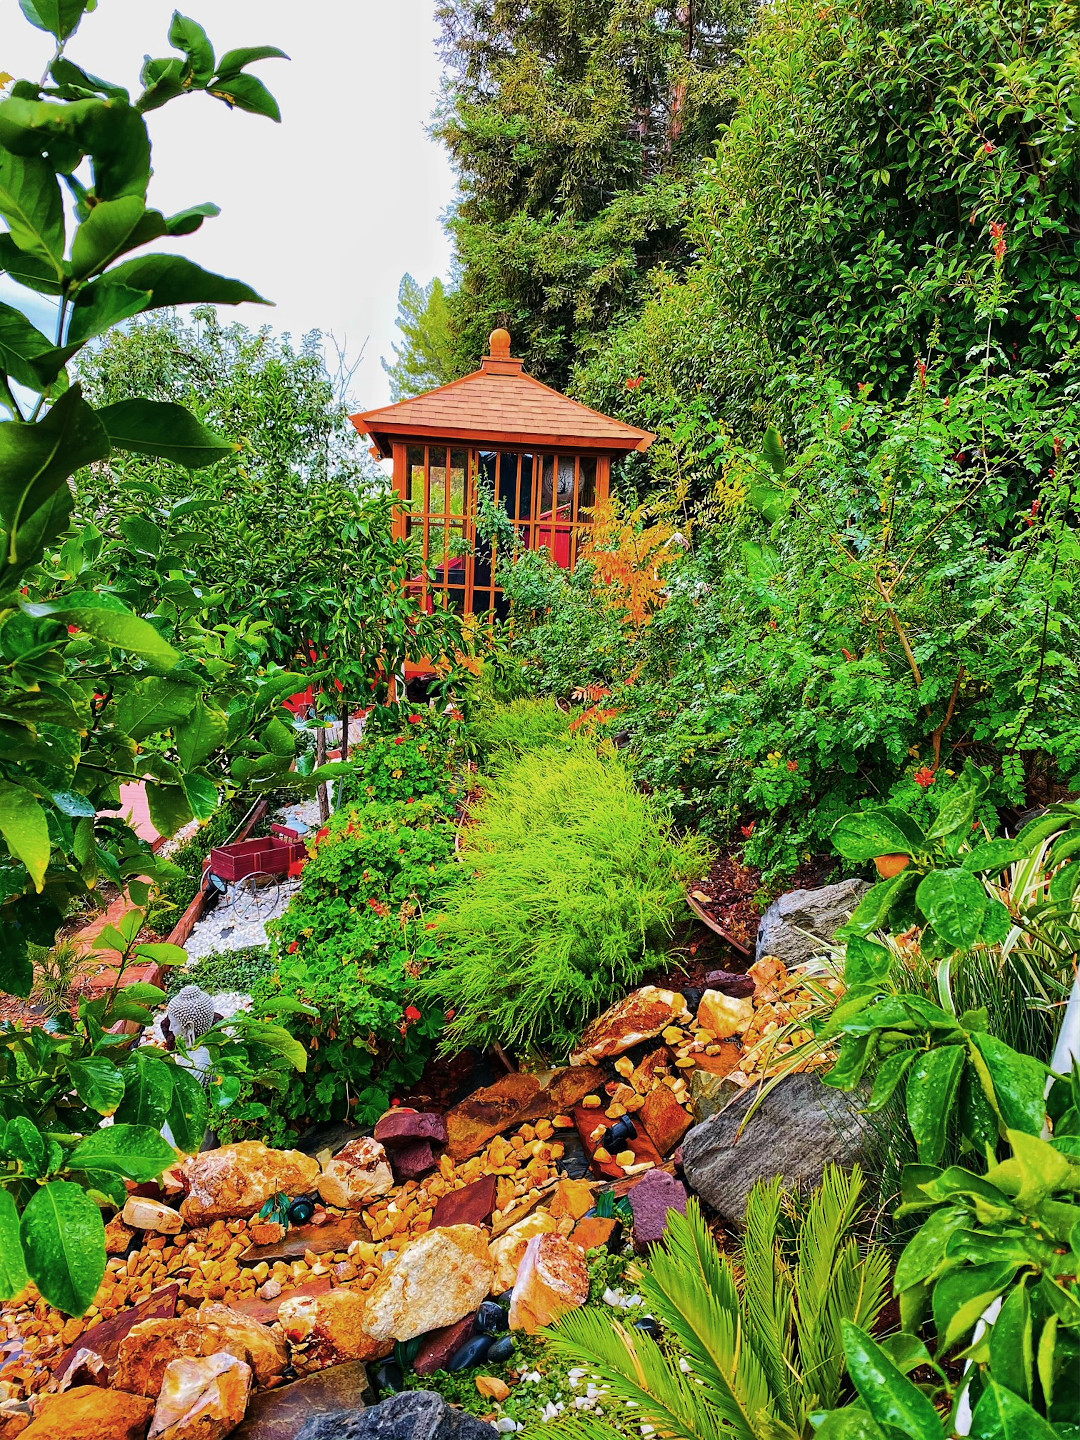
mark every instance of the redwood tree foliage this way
{"type": "Point", "coordinates": [575, 127]}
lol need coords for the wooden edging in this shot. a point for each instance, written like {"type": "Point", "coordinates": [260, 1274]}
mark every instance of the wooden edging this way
{"type": "Point", "coordinates": [706, 919]}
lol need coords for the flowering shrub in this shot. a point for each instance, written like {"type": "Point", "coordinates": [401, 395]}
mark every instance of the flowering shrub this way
{"type": "Point", "coordinates": [350, 950]}
{"type": "Point", "coordinates": [411, 760]}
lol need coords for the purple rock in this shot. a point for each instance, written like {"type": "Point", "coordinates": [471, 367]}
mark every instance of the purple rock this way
{"type": "Point", "coordinates": [728, 982]}
{"type": "Point", "coordinates": [437, 1347]}
{"type": "Point", "coordinates": [400, 1127]}
{"type": "Point", "coordinates": [655, 1194]}
{"type": "Point", "coordinates": [412, 1160]}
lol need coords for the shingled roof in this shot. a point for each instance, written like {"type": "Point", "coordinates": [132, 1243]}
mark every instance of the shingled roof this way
{"type": "Point", "coordinates": [502, 406]}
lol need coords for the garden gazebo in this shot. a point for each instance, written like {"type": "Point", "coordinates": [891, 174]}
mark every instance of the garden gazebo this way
{"type": "Point", "coordinates": [540, 455]}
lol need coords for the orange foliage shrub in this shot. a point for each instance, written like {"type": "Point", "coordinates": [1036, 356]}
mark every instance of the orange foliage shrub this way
{"type": "Point", "coordinates": [629, 559]}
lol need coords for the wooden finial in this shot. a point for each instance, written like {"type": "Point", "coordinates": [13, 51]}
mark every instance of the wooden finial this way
{"type": "Point", "coordinates": [499, 344]}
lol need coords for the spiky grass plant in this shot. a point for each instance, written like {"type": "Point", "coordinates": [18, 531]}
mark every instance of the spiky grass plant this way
{"type": "Point", "coordinates": [762, 1342]}
{"type": "Point", "coordinates": [57, 969]}
{"type": "Point", "coordinates": [579, 879]}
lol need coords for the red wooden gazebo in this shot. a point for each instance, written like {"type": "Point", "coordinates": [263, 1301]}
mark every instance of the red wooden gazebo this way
{"type": "Point", "coordinates": [540, 455]}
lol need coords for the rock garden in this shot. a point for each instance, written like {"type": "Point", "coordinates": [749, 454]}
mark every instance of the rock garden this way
{"type": "Point", "coordinates": [560, 917]}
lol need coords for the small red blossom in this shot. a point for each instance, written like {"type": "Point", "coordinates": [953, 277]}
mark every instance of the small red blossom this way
{"type": "Point", "coordinates": [322, 834]}
{"type": "Point", "coordinates": [1057, 438]}
{"type": "Point", "coordinates": [920, 365]}
{"type": "Point", "coordinates": [748, 830]}
{"type": "Point", "coordinates": [793, 765]}
{"type": "Point", "coordinates": [73, 629]}
{"type": "Point", "coordinates": [294, 947]}
{"type": "Point", "coordinates": [997, 234]}
{"type": "Point", "coordinates": [400, 739]}
{"type": "Point", "coordinates": [635, 382]}
{"type": "Point", "coordinates": [990, 148]}
{"type": "Point", "coordinates": [411, 800]}
{"type": "Point", "coordinates": [450, 1014]}
{"type": "Point", "coordinates": [413, 1014]}
{"type": "Point", "coordinates": [925, 777]}
{"type": "Point", "coordinates": [380, 909]}
{"type": "Point", "coordinates": [847, 654]}
{"type": "Point", "coordinates": [457, 715]}
{"type": "Point", "coordinates": [416, 719]}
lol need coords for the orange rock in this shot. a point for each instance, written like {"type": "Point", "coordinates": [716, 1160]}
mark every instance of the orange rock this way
{"type": "Point", "coordinates": [725, 1015]}
{"type": "Point", "coordinates": [329, 1329]}
{"type": "Point", "coordinates": [572, 1197]}
{"type": "Point", "coordinates": [593, 1231]}
{"type": "Point", "coordinates": [727, 1057]}
{"type": "Point", "coordinates": [553, 1278]}
{"type": "Point", "coordinates": [90, 1413]}
{"type": "Point", "coordinates": [665, 1119]}
{"type": "Point", "coordinates": [355, 1175]}
{"type": "Point", "coordinates": [237, 1180]}
{"type": "Point", "coordinates": [514, 1100]}
{"type": "Point", "coordinates": [150, 1346]}
{"type": "Point", "coordinates": [202, 1397]}
{"type": "Point", "coordinates": [508, 1250]}
{"type": "Point", "coordinates": [639, 1016]}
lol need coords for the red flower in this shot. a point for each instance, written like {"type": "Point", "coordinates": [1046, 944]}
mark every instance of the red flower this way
{"type": "Point", "coordinates": [847, 654]}
{"type": "Point", "coordinates": [450, 1014]}
{"type": "Point", "coordinates": [416, 719]}
{"type": "Point", "coordinates": [322, 834]}
{"type": "Point", "coordinates": [400, 739]}
{"type": "Point", "coordinates": [997, 234]}
{"type": "Point", "coordinates": [793, 765]}
{"type": "Point", "coordinates": [634, 382]}
{"type": "Point", "coordinates": [920, 365]}
{"type": "Point", "coordinates": [990, 147]}
{"type": "Point", "coordinates": [925, 777]}
{"type": "Point", "coordinates": [413, 1014]}
{"type": "Point", "coordinates": [410, 801]}
{"type": "Point", "coordinates": [380, 909]}
{"type": "Point", "coordinates": [294, 947]}
{"type": "Point", "coordinates": [73, 629]}
{"type": "Point", "coordinates": [748, 830]}
{"type": "Point", "coordinates": [457, 715]}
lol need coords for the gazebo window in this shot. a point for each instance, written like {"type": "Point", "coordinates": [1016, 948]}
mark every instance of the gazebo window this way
{"type": "Point", "coordinates": [544, 458]}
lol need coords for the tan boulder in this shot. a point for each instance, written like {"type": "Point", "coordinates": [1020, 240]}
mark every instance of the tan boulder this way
{"type": "Point", "coordinates": [639, 1016]}
{"type": "Point", "coordinates": [90, 1413]}
{"type": "Point", "coordinates": [142, 1214]}
{"type": "Point", "coordinates": [329, 1329]}
{"type": "Point", "coordinates": [355, 1175]}
{"type": "Point", "coordinates": [434, 1280]}
{"type": "Point", "coordinates": [553, 1278]}
{"type": "Point", "coordinates": [235, 1181]}
{"type": "Point", "coordinates": [203, 1397]}
{"type": "Point", "coordinates": [508, 1251]}
{"type": "Point", "coordinates": [725, 1015]}
{"type": "Point", "coordinates": [118, 1237]}
{"type": "Point", "coordinates": [150, 1346]}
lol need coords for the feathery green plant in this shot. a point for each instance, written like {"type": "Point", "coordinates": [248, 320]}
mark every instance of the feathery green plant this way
{"type": "Point", "coordinates": [762, 1354]}
{"type": "Point", "coordinates": [504, 731]}
{"type": "Point", "coordinates": [579, 879]}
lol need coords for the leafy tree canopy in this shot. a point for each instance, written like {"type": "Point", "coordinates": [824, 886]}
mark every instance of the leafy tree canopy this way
{"type": "Point", "coordinates": [426, 356]}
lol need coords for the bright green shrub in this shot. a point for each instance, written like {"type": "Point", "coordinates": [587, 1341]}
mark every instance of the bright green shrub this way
{"type": "Point", "coordinates": [352, 947]}
{"type": "Point", "coordinates": [408, 761]}
{"type": "Point", "coordinates": [579, 879]}
{"type": "Point", "coordinates": [504, 732]}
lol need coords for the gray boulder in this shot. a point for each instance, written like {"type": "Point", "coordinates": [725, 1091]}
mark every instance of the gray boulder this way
{"type": "Point", "coordinates": [799, 1128]}
{"type": "Point", "coordinates": [412, 1415]}
{"type": "Point", "coordinates": [818, 912]}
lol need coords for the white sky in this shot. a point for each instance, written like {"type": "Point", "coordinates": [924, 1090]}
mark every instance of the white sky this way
{"type": "Point", "coordinates": [321, 214]}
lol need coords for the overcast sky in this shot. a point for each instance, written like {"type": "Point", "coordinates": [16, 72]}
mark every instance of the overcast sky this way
{"type": "Point", "coordinates": [323, 213]}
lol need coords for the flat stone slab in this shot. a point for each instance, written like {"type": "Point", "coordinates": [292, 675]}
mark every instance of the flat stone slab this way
{"type": "Point", "coordinates": [282, 1413]}
{"type": "Point", "coordinates": [516, 1099]}
{"type": "Point", "coordinates": [265, 1311]}
{"type": "Point", "coordinates": [334, 1235]}
{"type": "Point", "coordinates": [104, 1339]}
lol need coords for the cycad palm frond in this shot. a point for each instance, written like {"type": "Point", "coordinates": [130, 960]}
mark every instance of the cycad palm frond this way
{"type": "Point", "coordinates": [636, 1370]}
{"type": "Point", "coordinates": [833, 1282]}
{"type": "Point", "coordinates": [767, 1294]}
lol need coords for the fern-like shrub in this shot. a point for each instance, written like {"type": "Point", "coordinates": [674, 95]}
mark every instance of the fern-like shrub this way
{"type": "Point", "coordinates": [763, 1340]}
{"type": "Point", "coordinates": [578, 882]}
{"type": "Point", "coordinates": [505, 731]}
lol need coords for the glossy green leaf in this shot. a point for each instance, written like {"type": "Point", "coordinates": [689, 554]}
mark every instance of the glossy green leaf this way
{"type": "Point", "coordinates": [1001, 1415]}
{"type": "Point", "coordinates": [107, 619]}
{"type": "Point", "coordinates": [170, 809]}
{"type": "Point", "coordinates": [863, 834]}
{"type": "Point", "coordinates": [173, 280]}
{"type": "Point", "coordinates": [101, 305]}
{"type": "Point", "coordinates": [872, 911]}
{"type": "Point", "coordinates": [153, 705]}
{"type": "Point", "coordinates": [850, 1423]}
{"type": "Point", "coordinates": [22, 350]}
{"type": "Point", "coordinates": [954, 902]}
{"type": "Point", "coordinates": [111, 229]}
{"type": "Point", "coordinates": [887, 1394]}
{"type": "Point", "coordinates": [25, 829]}
{"type": "Point", "coordinates": [136, 1151]}
{"type": "Point", "coordinates": [931, 1096]}
{"type": "Point", "coordinates": [246, 92]}
{"type": "Point", "coordinates": [164, 430]}
{"type": "Point", "coordinates": [1034, 1171]}
{"type": "Point", "coordinates": [24, 1142]}
{"type": "Point", "coordinates": [162, 953]}
{"type": "Point", "coordinates": [200, 734]}
{"type": "Point", "coordinates": [13, 1273]}
{"type": "Point", "coordinates": [188, 1112]}
{"type": "Point", "coordinates": [202, 795]}
{"type": "Point", "coordinates": [31, 203]}
{"type": "Point", "coordinates": [890, 1073]}
{"type": "Point", "coordinates": [148, 1094]}
{"type": "Point", "coordinates": [1019, 1083]}
{"type": "Point", "coordinates": [59, 17]}
{"type": "Point", "coordinates": [992, 856]}
{"type": "Point", "coordinates": [190, 37]}
{"type": "Point", "coordinates": [1012, 1344]}
{"type": "Point", "coordinates": [235, 60]}
{"type": "Point", "coordinates": [37, 459]}
{"type": "Point", "coordinates": [63, 1239]}
{"type": "Point", "coordinates": [98, 1083]}
{"type": "Point", "coordinates": [961, 1296]}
